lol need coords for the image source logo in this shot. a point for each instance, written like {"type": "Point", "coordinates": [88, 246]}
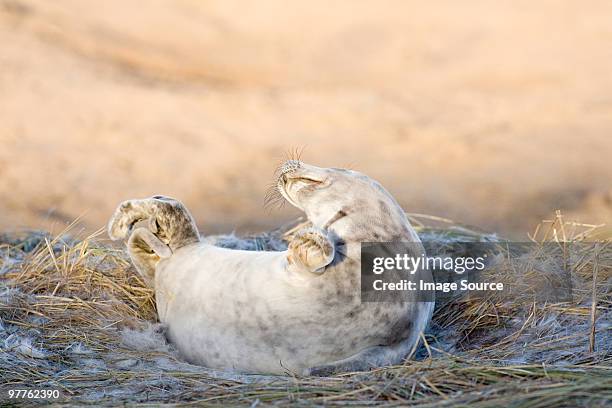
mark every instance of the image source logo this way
{"type": "Point", "coordinates": [422, 272]}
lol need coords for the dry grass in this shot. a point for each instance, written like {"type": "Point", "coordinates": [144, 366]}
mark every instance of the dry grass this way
{"type": "Point", "coordinates": [75, 316]}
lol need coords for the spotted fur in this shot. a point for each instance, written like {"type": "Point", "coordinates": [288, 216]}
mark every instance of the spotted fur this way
{"type": "Point", "coordinates": [295, 311]}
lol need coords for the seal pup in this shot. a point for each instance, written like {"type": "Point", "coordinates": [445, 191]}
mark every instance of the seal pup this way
{"type": "Point", "coordinates": [295, 311]}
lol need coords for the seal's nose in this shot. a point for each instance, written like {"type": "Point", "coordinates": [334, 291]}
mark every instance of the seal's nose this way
{"type": "Point", "coordinates": [289, 166]}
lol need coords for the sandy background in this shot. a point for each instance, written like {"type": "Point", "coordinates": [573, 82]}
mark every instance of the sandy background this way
{"type": "Point", "coordinates": [491, 113]}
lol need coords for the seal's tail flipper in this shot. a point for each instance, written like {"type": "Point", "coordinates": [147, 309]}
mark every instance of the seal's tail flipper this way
{"type": "Point", "coordinates": [146, 250]}
{"type": "Point", "coordinates": [169, 226]}
{"type": "Point", "coordinates": [168, 220]}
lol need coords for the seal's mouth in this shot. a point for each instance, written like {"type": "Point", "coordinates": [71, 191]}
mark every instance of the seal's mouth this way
{"type": "Point", "coordinates": [289, 187]}
{"type": "Point", "coordinates": [282, 186]}
{"type": "Point", "coordinates": [291, 184]}
{"type": "Point", "coordinates": [293, 177]}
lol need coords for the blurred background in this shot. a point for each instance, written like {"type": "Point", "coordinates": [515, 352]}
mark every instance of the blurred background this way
{"type": "Point", "coordinates": [488, 113]}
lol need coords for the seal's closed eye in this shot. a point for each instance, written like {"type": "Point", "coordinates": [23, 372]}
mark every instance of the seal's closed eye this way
{"type": "Point", "coordinates": [306, 180]}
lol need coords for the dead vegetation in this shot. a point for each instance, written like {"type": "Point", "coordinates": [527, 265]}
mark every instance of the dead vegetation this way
{"type": "Point", "coordinates": [75, 316]}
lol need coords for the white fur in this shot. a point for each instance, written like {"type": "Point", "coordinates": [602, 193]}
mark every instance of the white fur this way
{"type": "Point", "coordinates": [297, 310]}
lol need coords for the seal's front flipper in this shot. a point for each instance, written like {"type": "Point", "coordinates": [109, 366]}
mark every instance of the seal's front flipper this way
{"type": "Point", "coordinates": [310, 250]}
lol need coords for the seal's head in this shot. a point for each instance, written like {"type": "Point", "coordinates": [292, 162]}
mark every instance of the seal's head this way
{"type": "Point", "coordinates": [349, 203]}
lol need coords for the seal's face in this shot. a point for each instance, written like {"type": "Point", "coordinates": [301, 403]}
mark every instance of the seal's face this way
{"type": "Point", "coordinates": [303, 185]}
{"type": "Point", "coordinates": [328, 195]}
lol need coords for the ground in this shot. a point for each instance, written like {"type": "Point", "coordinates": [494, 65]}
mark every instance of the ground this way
{"type": "Point", "coordinates": [490, 113]}
{"type": "Point", "coordinates": [74, 316]}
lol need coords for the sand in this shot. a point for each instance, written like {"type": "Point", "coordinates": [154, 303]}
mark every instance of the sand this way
{"type": "Point", "coordinates": [493, 114]}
